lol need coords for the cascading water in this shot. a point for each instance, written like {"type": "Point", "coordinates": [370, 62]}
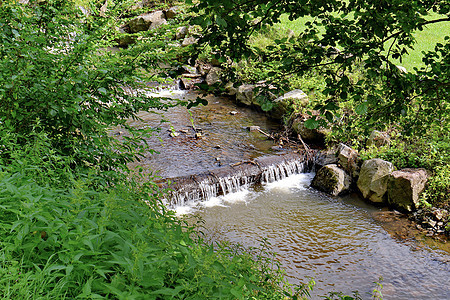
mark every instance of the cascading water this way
{"type": "Point", "coordinates": [227, 180]}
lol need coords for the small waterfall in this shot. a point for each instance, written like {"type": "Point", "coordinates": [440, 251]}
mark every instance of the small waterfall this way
{"type": "Point", "coordinates": [283, 170]}
{"type": "Point", "coordinates": [234, 178]}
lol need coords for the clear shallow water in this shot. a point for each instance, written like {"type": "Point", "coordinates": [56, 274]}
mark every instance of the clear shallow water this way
{"type": "Point", "coordinates": [334, 240]}
{"type": "Point", "coordinates": [224, 136]}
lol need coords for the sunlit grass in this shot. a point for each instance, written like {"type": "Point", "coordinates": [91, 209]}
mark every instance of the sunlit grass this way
{"type": "Point", "coordinates": [425, 39]}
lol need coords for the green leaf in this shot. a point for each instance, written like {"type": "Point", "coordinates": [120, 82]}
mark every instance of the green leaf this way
{"type": "Point", "coordinates": [312, 124]}
{"type": "Point", "coordinates": [362, 108]}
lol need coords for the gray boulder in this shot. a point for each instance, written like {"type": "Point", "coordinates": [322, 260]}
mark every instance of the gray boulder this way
{"type": "Point", "coordinates": [348, 159]}
{"type": "Point", "coordinates": [405, 187]}
{"type": "Point", "coordinates": [373, 179]}
{"type": "Point", "coordinates": [292, 101]}
{"type": "Point", "coordinates": [147, 21]}
{"type": "Point", "coordinates": [245, 95]}
{"type": "Point", "coordinates": [181, 32]}
{"type": "Point", "coordinates": [213, 76]}
{"type": "Point", "coordinates": [231, 90]}
{"type": "Point", "coordinates": [187, 41]}
{"type": "Point", "coordinates": [332, 180]}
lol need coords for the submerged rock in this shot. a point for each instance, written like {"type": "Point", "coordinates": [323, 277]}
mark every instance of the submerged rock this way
{"type": "Point", "coordinates": [332, 180]}
{"type": "Point", "coordinates": [405, 187]}
{"type": "Point", "coordinates": [373, 179]}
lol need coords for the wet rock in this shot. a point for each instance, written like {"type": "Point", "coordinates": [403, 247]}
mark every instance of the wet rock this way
{"type": "Point", "coordinates": [348, 159]}
{"type": "Point", "coordinates": [213, 76]}
{"type": "Point", "coordinates": [378, 139]}
{"type": "Point", "coordinates": [245, 95]}
{"type": "Point", "coordinates": [373, 179]}
{"type": "Point", "coordinates": [332, 180]}
{"type": "Point", "coordinates": [190, 70]}
{"type": "Point", "coordinates": [405, 187]}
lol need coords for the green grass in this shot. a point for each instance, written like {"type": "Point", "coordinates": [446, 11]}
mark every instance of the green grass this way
{"type": "Point", "coordinates": [425, 39]}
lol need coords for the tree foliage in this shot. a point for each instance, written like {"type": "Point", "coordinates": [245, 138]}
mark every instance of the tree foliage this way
{"type": "Point", "coordinates": [60, 77]}
{"type": "Point", "coordinates": [355, 44]}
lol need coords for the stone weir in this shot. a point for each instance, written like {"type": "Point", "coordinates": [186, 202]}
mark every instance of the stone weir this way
{"type": "Point", "coordinates": [232, 178]}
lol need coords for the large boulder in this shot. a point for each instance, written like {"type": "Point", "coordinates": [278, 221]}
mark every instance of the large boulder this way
{"type": "Point", "coordinates": [292, 101]}
{"type": "Point", "coordinates": [348, 159]}
{"type": "Point", "coordinates": [147, 21]}
{"type": "Point", "coordinates": [405, 187]}
{"type": "Point", "coordinates": [332, 180]}
{"type": "Point", "coordinates": [373, 179]}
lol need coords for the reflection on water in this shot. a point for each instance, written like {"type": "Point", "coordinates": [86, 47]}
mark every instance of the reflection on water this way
{"type": "Point", "coordinates": [331, 239]}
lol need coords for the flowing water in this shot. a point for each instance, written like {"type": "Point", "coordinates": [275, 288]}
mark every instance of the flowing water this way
{"type": "Point", "coordinates": [338, 241]}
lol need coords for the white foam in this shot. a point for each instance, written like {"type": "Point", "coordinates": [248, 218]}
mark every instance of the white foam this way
{"type": "Point", "coordinates": [297, 181]}
{"type": "Point", "coordinates": [239, 196]}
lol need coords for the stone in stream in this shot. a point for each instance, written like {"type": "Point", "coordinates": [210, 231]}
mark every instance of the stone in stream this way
{"type": "Point", "coordinates": [373, 179]}
{"type": "Point", "coordinates": [332, 180]}
{"type": "Point", "coordinates": [405, 187]}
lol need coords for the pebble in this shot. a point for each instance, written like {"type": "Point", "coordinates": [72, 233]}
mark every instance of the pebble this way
{"type": "Point", "coordinates": [233, 112]}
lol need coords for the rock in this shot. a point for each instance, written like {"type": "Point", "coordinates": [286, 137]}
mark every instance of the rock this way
{"type": "Point", "coordinates": [405, 187]}
{"type": "Point", "coordinates": [348, 159]}
{"type": "Point", "coordinates": [171, 13]}
{"type": "Point", "coordinates": [147, 21]}
{"type": "Point", "coordinates": [332, 180]}
{"type": "Point", "coordinates": [187, 41]}
{"type": "Point", "coordinates": [244, 94]}
{"type": "Point", "coordinates": [324, 158]}
{"type": "Point", "coordinates": [190, 70]}
{"type": "Point", "coordinates": [233, 112]}
{"type": "Point", "coordinates": [181, 32]}
{"type": "Point", "coordinates": [231, 90]}
{"type": "Point", "coordinates": [125, 40]}
{"type": "Point", "coordinates": [373, 179]}
{"type": "Point", "coordinates": [213, 76]}
{"type": "Point", "coordinates": [292, 101]}
{"type": "Point", "coordinates": [316, 136]}
{"type": "Point", "coordinates": [378, 139]}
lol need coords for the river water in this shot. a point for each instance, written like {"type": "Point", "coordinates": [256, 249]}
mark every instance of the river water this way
{"type": "Point", "coordinates": [338, 241]}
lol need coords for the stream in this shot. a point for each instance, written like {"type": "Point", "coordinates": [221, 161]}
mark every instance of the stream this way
{"type": "Point", "coordinates": [341, 242]}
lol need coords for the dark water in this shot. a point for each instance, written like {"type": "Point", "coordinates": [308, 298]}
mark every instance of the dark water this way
{"type": "Point", "coordinates": [336, 241]}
